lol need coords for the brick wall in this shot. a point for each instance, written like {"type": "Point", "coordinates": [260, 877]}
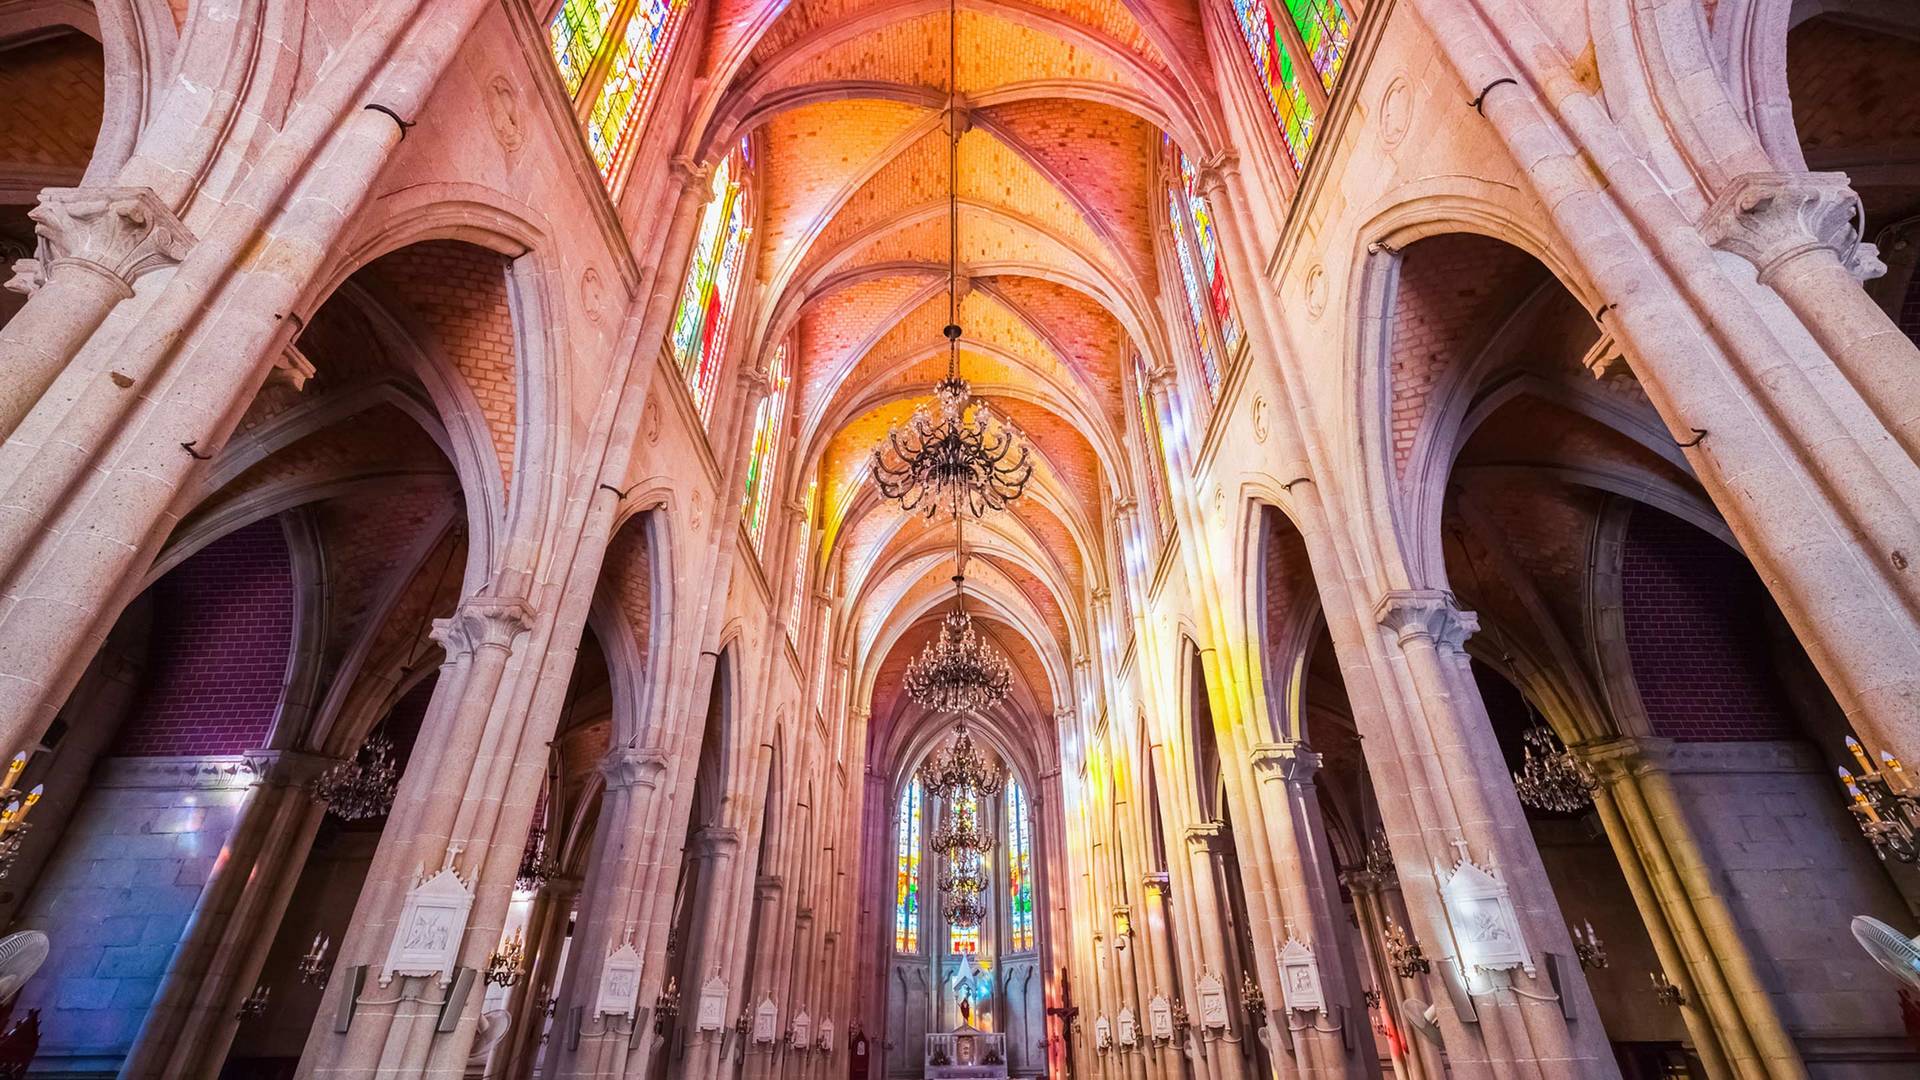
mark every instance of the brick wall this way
{"type": "Point", "coordinates": [1910, 309]}
{"type": "Point", "coordinates": [1696, 621]}
{"type": "Point", "coordinates": [52, 95]}
{"type": "Point", "coordinates": [223, 628]}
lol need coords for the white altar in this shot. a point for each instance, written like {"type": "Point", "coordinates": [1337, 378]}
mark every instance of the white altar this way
{"type": "Point", "coordinates": [966, 1052]}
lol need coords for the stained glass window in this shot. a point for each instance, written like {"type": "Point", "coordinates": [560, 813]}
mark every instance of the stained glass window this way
{"type": "Point", "coordinates": [576, 33]}
{"type": "Point", "coordinates": [906, 896]}
{"type": "Point", "coordinates": [1273, 66]}
{"type": "Point", "coordinates": [965, 939]}
{"type": "Point", "coordinates": [800, 566]}
{"type": "Point", "coordinates": [700, 323]}
{"type": "Point", "coordinates": [1019, 868]}
{"type": "Point", "coordinates": [763, 458]}
{"type": "Point", "coordinates": [621, 86]}
{"type": "Point", "coordinates": [1326, 28]}
{"type": "Point", "coordinates": [1212, 266]}
{"type": "Point", "coordinates": [1197, 306]}
{"type": "Point", "coordinates": [1157, 492]}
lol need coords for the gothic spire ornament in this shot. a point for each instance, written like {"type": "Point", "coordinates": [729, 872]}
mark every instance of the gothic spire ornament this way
{"type": "Point", "coordinates": [961, 457]}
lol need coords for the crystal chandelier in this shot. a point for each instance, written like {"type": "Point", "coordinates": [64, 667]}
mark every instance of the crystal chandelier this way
{"type": "Point", "coordinates": [965, 909]}
{"type": "Point", "coordinates": [363, 787]}
{"type": "Point", "coordinates": [959, 769]}
{"type": "Point", "coordinates": [1551, 778]}
{"type": "Point", "coordinates": [958, 672]}
{"type": "Point", "coordinates": [962, 456]}
{"type": "Point", "coordinates": [537, 864]}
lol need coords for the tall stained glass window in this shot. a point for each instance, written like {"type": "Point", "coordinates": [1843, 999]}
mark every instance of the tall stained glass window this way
{"type": "Point", "coordinates": [1019, 868]}
{"type": "Point", "coordinates": [906, 896]}
{"type": "Point", "coordinates": [800, 566]}
{"type": "Point", "coordinates": [1156, 467]}
{"type": "Point", "coordinates": [1326, 29]}
{"type": "Point", "coordinates": [700, 323]}
{"type": "Point", "coordinates": [763, 458]}
{"type": "Point", "coordinates": [1273, 65]}
{"type": "Point", "coordinates": [616, 68]}
{"type": "Point", "coordinates": [1197, 307]}
{"type": "Point", "coordinates": [1212, 267]}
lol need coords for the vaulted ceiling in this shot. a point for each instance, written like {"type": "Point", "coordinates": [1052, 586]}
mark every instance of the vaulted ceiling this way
{"type": "Point", "coordinates": [1060, 108]}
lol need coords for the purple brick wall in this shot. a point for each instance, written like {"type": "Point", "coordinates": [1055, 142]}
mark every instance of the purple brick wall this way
{"type": "Point", "coordinates": [1696, 619]}
{"type": "Point", "coordinates": [222, 629]}
{"type": "Point", "coordinates": [1910, 310]}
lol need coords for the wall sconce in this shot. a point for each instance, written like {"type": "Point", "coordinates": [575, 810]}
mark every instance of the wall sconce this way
{"type": "Point", "coordinates": [503, 967]}
{"type": "Point", "coordinates": [1587, 946]}
{"type": "Point", "coordinates": [1665, 992]}
{"type": "Point", "coordinates": [315, 967]}
{"type": "Point", "coordinates": [255, 1005]}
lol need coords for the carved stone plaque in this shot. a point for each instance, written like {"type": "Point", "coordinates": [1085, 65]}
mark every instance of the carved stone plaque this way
{"type": "Point", "coordinates": [713, 1005]}
{"type": "Point", "coordinates": [426, 941]}
{"type": "Point", "coordinates": [1103, 1033]}
{"type": "Point", "coordinates": [826, 1034]}
{"type": "Point", "coordinates": [802, 1028]}
{"type": "Point", "coordinates": [1160, 1017]}
{"type": "Point", "coordinates": [1213, 1002]}
{"type": "Point", "coordinates": [1484, 920]}
{"type": "Point", "coordinates": [620, 983]}
{"type": "Point", "coordinates": [766, 1021]}
{"type": "Point", "coordinates": [1300, 978]}
{"type": "Point", "coordinates": [1127, 1027]}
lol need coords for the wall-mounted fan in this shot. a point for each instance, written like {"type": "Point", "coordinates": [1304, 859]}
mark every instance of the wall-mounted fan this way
{"type": "Point", "coordinates": [493, 1028]}
{"type": "Point", "coordinates": [21, 955]}
{"type": "Point", "coordinates": [1893, 950]}
{"type": "Point", "coordinates": [1423, 1018]}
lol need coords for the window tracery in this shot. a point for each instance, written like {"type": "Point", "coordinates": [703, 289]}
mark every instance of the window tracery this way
{"type": "Point", "coordinates": [906, 903]}
{"type": "Point", "coordinates": [613, 55]}
{"type": "Point", "coordinates": [763, 457]}
{"type": "Point", "coordinates": [705, 313]}
{"type": "Point", "coordinates": [1314, 34]}
{"type": "Point", "coordinates": [1020, 933]}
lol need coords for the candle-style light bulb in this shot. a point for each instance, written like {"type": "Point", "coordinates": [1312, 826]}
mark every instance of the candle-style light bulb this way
{"type": "Point", "coordinates": [1891, 766]}
{"type": "Point", "coordinates": [1859, 755]}
{"type": "Point", "coordinates": [32, 797]}
{"type": "Point", "coordinates": [14, 768]}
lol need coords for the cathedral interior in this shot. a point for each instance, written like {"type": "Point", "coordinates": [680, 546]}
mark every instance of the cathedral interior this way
{"type": "Point", "coordinates": [922, 539]}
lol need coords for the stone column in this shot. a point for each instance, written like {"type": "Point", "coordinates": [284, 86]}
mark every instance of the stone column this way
{"type": "Point", "coordinates": [1730, 1014]}
{"type": "Point", "coordinates": [393, 1028]}
{"type": "Point", "coordinates": [1801, 231]}
{"type": "Point", "coordinates": [1222, 1047]}
{"type": "Point", "coordinates": [1419, 1059]}
{"type": "Point", "coordinates": [717, 848]}
{"type": "Point", "coordinates": [1159, 944]}
{"type": "Point", "coordinates": [1462, 807]}
{"type": "Point", "coordinates": [614, 911]}
{"type": "Point", "coordinates": [1310, 899]}
{"type": "Point", "coordinates": [191, 1022]}
{"type": "Point", "coordinates": [95, 245]}
{"type": "Point", "coordinates": [546, 932]}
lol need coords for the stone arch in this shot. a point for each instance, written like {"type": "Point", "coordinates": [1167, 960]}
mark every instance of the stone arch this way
{"type": "Point", "coordinates": [630, 615]}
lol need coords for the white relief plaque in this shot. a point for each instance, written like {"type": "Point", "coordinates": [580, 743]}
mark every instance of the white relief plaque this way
{"type": "Point", "coordinates": [713, 1004]}
{"type": "Point", "coordinates": [1103, 1033]}
{"type": "Point", "coordinates": [1300, 978]}
{"type": "Point", "coordinates": [766, 1021]}
{"type": "Point", "coordinates": [1484, 921]}
{"type": "Point", "coordinates": [802, 1028]}
{"type": "Point", "coordinates": [1127, 1027]}
{"type": "Point", "coordinates": [826, 1034]}
{"type": "Point", "coordinates": [620, 983]}
{"type": "Point", "coordinates": [1213, 1002]}
{"type": "Point", "coordinates": [426, 940]}
{"type": "Point", "coordinates": [1160, 1018]}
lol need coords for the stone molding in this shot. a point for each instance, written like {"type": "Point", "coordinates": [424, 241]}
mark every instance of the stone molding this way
{"type": "Point", "coordinates": [626, 769]}
{"type": "Point", "coordinates": [768, 886]}
{"type": "Point", "coordinates": [1158, 882]}
{"type": "Point", "coordinates": [1606, 359]}
{"type": "Point", "coordinates": [1628, 755]}
{"type": "Point", "coordinates": [1772, 218]}
{"type": "Point", "coordinates": [289, 768]}
{"type": "Point", "coordinates": [212, 772]}
{"type": "Point", "coordinates": [291, 369]}
{"type": "Point", "coordinates": [691, 174]}
{"type": "Point", "coordinates": [120, 234]}
{"type": "Point", "coordinates": [717, 839]}
{"type": "Point", "coordinates": [1295, 761]}
{"type": "Point", "coordinates": [1208, 834]}
{"type": "Point", "coordinates": [1426, 613]}
{"type": "Point", "coordinates": [481, 622]}
{"type": "Point", "coordinates": [1211, 175]}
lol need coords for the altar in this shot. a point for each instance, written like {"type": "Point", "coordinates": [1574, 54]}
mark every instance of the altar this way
{"type": "Point", "coordinates": [966, 1051]}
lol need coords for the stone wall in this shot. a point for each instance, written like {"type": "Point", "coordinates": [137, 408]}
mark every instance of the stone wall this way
{"type": "Point", "coordinates": [115, 900]}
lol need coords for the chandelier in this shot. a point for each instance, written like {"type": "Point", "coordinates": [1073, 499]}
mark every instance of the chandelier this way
{"type": "Point", "coordinates": [1883, 803]}
{"type": "Point", "coordinates": [961, 456]}
{"type": "Point", "coordinates": [958, 672]}
{"type": "Point", "coordinates": [965, 909]}
{"type": "Point", "coordinates": [1551, 778]}
{"type": "Point", "coordinates": [363, 787]}
{"type": "Point", "coordinates": [960, 769]}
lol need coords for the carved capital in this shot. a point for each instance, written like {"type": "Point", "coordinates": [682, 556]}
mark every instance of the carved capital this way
{"type": "Point", "coordinates": [1614, 760]}
{"type": "Point", "coordinates": [1211, 174]}
{"type": "Point", "coordinates": [691, 175]}
{"type": "Point", "coordinates": [1770, 219]}
{"type": "Point", "coordinates": [1159, 883]}
{"type": "Point", "coordinates": [1360, 882]}
{"type": "Point", "coordinates": [717, 840]}
{"type": "Point", "coordinates": [288, 768]}
{"type": "Point", "coordinates": [754, 385]}
{"type": "Point", "coordinates": [1426, 613]}
{"type": "Point", "coordinates": [633, 768]}
{"type": "Point", "coordinates": [1605, 359]}
{"type": "Point", "coordinates": [1295, 761]}
{"type": "Point", "coordinates": [117, 233]}
{"type": "Point", "coordinates": [483, 622]}
{"type": "Point", "coordinates": [768, 886]}
{"type": "Point", "coordinates": [291, 369]}
{"type": "Point", "coordinates": [1208, 834]}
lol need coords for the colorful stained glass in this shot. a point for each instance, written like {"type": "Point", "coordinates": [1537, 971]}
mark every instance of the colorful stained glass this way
{"type": "Point", "coordinates": [1273, 66]}
{"type": "Point", "coordinates": [621, 104]}
{"type": "Point", "coordinates": [906, 897]}
{"type": "Point", "coordinates": [700, 323]}
{"type": "Point", "coordinates": [1197, 305]}
{"type": "Point", "coordinates": [1327, 30]}
{"type": "Point", "coordinates": [1019, 869]}
{"type": "Point", "coordinates": [1214, 267]}
{"type": "Point", "coordinates": [763, 458]}
{"type": "Point", "coordinates": [800, 564]}
{"type": "Point", "coordinates": [965, 940]}
{"type": "Point", "coordinates": [575, 35]}
{"type": "Point", "coordinates": [1157, 491]}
